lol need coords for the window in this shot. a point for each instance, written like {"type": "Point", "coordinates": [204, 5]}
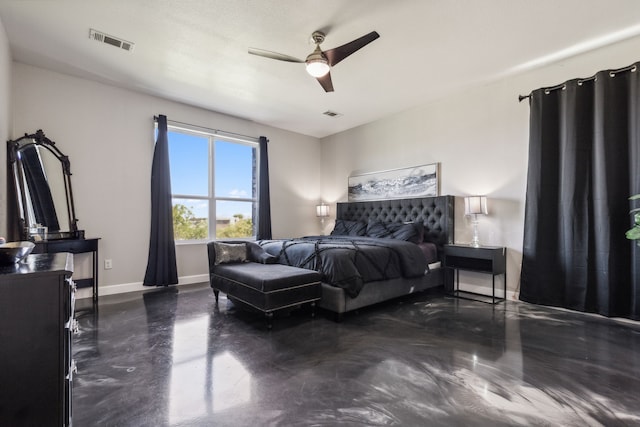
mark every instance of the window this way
{"type": "Point", "coordinates": [214, 185]}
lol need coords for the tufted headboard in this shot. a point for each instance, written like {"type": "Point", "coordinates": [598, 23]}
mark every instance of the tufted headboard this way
{"type": "Point", "coordinates": [436, 213]}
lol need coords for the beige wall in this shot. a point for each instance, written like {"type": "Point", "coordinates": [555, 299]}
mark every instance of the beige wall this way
{"type": "Point", "coordinates": [5, 121]}
{"type": "Point", "coordinates": [108, 135]}
{"type": "Point", "coordinates": [480, 139]}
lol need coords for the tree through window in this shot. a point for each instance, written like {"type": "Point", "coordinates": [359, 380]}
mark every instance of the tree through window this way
{"type": "Point", "coordinates": [214, 185]}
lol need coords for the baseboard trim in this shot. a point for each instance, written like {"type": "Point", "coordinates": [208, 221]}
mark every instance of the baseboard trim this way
{"type": "Point", "coordinates": [201, 278]}
{"type": "Point", "coordinates": [137, 286]}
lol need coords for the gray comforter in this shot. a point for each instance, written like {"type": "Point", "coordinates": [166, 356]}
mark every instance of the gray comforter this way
{"type": "Point", "coordinates": [350, 262]}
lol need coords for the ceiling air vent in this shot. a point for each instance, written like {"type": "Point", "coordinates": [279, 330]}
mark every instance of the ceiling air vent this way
{"type": "Point", "coordinates": [101, 37]}
{"type": "Point", "coordinates": [331, 114]}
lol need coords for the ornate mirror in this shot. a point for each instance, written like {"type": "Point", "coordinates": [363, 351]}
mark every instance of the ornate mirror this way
{"type": "Point", "coordinates": [41, 176]}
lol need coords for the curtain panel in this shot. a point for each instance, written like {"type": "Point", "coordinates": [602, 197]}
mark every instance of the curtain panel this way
{"type": "Point", "coordinates": [264, 199]}
{"type": "Point", "coordinates": [584, 163]}
{"type": "Point", "coordinates": [161, 264]}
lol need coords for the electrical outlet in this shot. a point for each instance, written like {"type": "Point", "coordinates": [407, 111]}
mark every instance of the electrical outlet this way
{"type": "Point", "coordinates": [108, 265]}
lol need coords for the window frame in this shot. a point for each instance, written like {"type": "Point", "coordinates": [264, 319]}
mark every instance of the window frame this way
{"type": "Point", "coordinates": [214, 136]}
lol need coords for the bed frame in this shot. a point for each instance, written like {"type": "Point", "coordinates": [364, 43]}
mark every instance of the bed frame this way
{"type": "Point", "coordinates": [437, 215]}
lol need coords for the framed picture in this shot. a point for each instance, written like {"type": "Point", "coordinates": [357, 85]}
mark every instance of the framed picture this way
{"type": "Point", "coordinates": [417, 181]}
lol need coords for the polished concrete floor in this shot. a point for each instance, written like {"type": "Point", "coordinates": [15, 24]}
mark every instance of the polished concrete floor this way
{"type": "Point", "coordinates": [170, 357]}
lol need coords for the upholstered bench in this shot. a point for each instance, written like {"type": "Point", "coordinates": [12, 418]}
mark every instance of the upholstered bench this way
{"type": "Point", "coordinates": [244, 272]}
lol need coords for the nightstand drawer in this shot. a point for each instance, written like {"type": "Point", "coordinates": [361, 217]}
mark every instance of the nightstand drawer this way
{"type": "Point", "coordinates": [463, 263]}
{"type": "Point", "coordinates": [485, 259]}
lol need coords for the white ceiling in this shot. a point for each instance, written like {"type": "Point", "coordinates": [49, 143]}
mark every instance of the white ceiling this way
{"type": "Point", "coordinates": [195, 51]}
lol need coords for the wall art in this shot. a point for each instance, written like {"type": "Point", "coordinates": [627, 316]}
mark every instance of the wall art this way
{"type": "Point", "coordinates": [417, 181]}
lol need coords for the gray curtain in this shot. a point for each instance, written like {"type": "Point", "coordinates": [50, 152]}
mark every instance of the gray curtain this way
{"type": "Point", "coordinates": [161, 264]}
{"type": "Point", "coordinates": [264, 210]}
{"type": "Point", "coordinates": [584, 163]}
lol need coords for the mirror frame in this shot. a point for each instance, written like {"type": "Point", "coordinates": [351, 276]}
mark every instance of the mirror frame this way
{"type": "Point", "coordinates": [40, 140]}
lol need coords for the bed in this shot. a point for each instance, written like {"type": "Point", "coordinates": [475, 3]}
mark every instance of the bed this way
{"type": "Point", "coordinates": [377, 251]}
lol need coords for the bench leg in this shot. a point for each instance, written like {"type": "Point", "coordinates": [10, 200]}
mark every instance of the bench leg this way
{"type": "Point", "coordinates": [216, 293]}
{"type": "Point", "coordinates": [313, 309]}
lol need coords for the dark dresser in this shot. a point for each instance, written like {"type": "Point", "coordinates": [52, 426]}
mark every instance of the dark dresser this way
{"type": "Point", "coordinates": [36, 322]}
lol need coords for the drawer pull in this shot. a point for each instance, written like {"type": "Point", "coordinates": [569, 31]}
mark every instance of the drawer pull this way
{"type": "Point", "coordinates": [73, 369]}
{"type": "Point", "coordinates": [73, 325]}
{"type": "Point", "coordinates": [71, 283]}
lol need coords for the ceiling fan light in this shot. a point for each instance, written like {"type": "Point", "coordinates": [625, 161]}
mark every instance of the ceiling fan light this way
{"type": "Point", "coordinates": [317, 67]}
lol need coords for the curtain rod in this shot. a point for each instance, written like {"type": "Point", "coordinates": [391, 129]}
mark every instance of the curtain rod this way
{"type": "Point", "coordinates": [612, 73]}
{"type": "Point", "coordinates": [214, 131]}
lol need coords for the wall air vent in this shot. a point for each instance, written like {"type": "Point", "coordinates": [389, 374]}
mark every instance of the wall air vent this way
{"type": "Point", "coordinates": [101, 37]}
{"type": "Point", "coordinates": [331, 114]}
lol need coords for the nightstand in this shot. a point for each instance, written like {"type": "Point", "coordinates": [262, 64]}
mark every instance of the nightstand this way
{"type": "Point", "coordinates": [485, 259]}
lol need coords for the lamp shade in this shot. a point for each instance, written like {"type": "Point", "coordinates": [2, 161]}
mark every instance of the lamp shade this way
{"type": "Point", "coordinates": [317, 64]}
{"type": "Point", "coordinates": [322, 210]}
{"type": "Point", "coordinates": [475, 205]}
{"type": "Point", "coordinates": [317, 67]}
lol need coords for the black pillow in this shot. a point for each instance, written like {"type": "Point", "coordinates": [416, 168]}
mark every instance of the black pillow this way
{"type": "Point", "coordinates": [405, 232]}
{"type": "Point", "coordinates": [377, 229]}
{"type": "Point", "coordinates": [411, 232]}
{"type": "Point", "coordinates": [256, 253]}
{"type": "Point", "coordinates": [349, 228]}
{"type": "Point", "coordinates": [339, 229]}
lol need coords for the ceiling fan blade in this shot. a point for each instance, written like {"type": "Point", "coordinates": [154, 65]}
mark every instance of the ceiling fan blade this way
{"type": "Point", "coordinates": [325, 82]}
{"type": "Point", "coordinates": [273, 55]}
{"type": "Point", "coordinates": [337, 54]}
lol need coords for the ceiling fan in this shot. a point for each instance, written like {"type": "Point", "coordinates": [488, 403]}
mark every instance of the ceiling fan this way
{"type": "Point", "coordinates": [318, 62]}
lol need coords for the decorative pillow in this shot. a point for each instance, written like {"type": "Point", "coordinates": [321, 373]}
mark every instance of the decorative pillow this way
{"type": "Point", "coordinates": [230, 252]}
{"type": "Point", "coordinates": [339, 228]}
{"type": "Point", "coordinates": [405, 232]}
{"type": "Point", "coordinates": [256, 253]}
{"type": "Point", "coordinates": [349, 228]}
{"type": "Point", "coordinates": [376, 228]}
{"type": "Point", "coordinates": [411, 231]}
